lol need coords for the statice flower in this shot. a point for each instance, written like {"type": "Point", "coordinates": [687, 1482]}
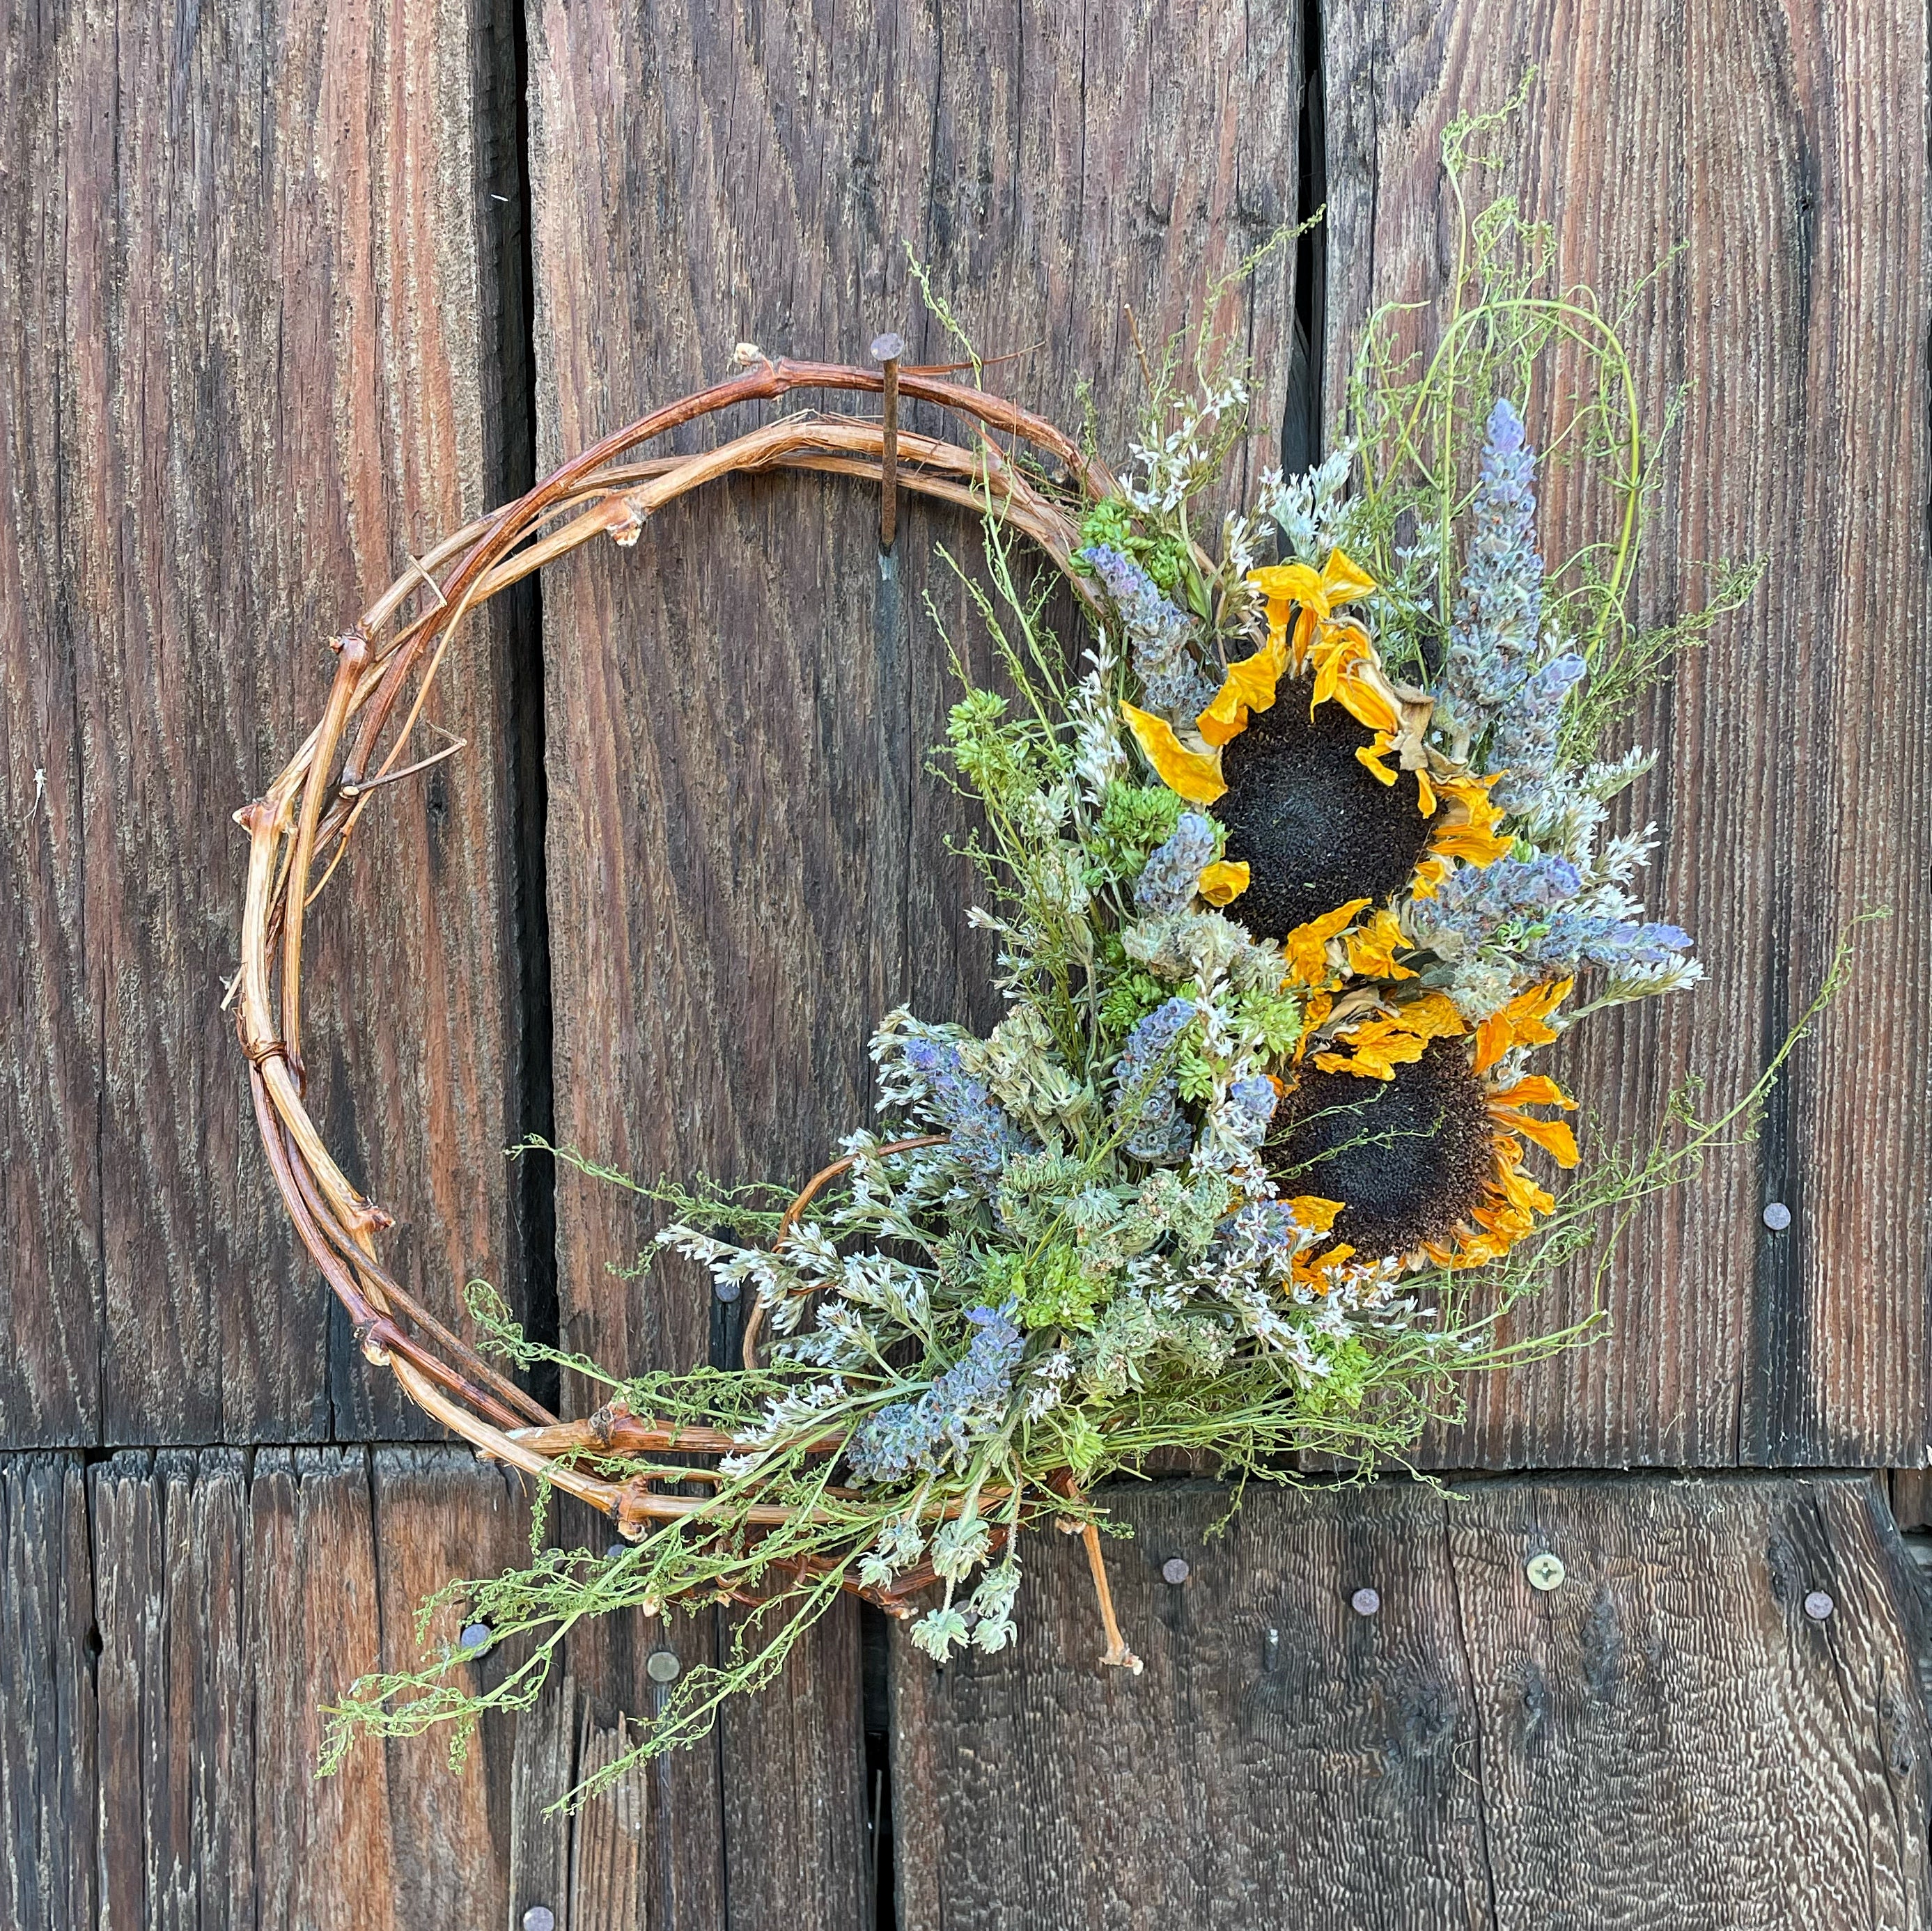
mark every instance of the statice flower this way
{"type": "Point", "coordinates": [1312, 510]}
{"type": "Point", "coordinates": [1235, 1127]}
{"type": "Point", "coordinates": [1494, 638]}
{"type": "Point", "coordinates": [1174, 869]}
{"type": "Point", "coordinates": [1149, 1105]}
{"type": "Point", "coordinates": [1172, 683]}
{"type": "Point", "coordinates": [970, 1396]}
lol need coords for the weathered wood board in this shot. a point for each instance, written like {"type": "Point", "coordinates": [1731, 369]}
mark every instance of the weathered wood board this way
{"type": "Point", "coordinates": [1626, 1750]}
{"type": "Point", "coordinates": [1667, 1738]}
{"type": "Point", "coordinates": [174, 1623]}
{"type": "Point", "coordinates": [253, 334]}
{"type": "Point", "coordinates": [748, 866]}
{"type": "Point", "coordinates": [1791, 322]}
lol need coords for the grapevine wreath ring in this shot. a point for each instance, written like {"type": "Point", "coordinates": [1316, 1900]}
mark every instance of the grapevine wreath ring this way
{"type": "Point", "coordinates": [1293, 867]}
{"type": "Point", "coordinates": [385, 664]}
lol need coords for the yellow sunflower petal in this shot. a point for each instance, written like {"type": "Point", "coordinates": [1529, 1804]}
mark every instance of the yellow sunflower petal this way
{"type": "Point", "coordinates": [1249, 685]}
{"type": "Point", "coordinates": [1370, 757]}
{"type": "Point", "coordinates": [1344, 580]}
{"type": "Point", "coordinates": [1425, 794]}
{"type": "Point", "coordinates": [1291, 583]}
{"type": "Point", "coordinates": [1534, 1089]}
{"type": "Point", "coordinates": [1371, 950]}
{"type": "Point", "coordinates": [1360, 698]}
{"type": "Point", "coordinates": [1306, 949]}
{"type": "Point", "coordinates": [1429, 874]}
{"type": "Point", "coordinates": [1314, 1212]}
{"type": "Point", "coordinates": [1223, 881]}
{"type": "Point", "coordinates": [1553, 1136]}
{"type": "Point", "coordinates": [1196, 775]}
{"type": "Point", "coordinates": [1433, 1016]}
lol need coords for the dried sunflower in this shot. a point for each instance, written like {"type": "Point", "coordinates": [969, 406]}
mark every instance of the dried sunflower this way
{"type": "Point", "coordinates": [1417, 1127]}
{"type": "Point", "coordinates": [1309, 803]}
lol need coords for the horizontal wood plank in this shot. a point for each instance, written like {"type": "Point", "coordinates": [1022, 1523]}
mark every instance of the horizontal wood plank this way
{"type": "Point", "coordinates": [1787, 789]}
{"type": "Point", "coordinates": [1630, 1748]}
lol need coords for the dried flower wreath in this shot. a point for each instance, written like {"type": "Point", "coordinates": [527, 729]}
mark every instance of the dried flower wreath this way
{"type": "Point", "coordinates": [1294, 871]}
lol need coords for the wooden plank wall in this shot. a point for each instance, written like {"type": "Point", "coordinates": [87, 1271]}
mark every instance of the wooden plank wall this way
{"type": "Point", "coordinates": [1474, 1753]}
{"type": "Point", "coordinates": [270, 327]}
{"type": "Point", "coordinates": [1792, 323]}
{"type": "Point", "coordinates": [246, 326]}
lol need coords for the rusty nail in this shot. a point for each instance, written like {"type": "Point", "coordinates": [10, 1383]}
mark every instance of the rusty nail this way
{"type": "Point", "coordinates": [1777, 1216]}
{"type": "Point", "coordinates": [1365, 1602]}
{"type": "Point", "coordinates": [1173, 1570]}
{"type": "Point", "coordinates": [540, 1918]}
{"type": "Point", "coordinates": [662, 1665]}
{"type": "Point", "coordinates": [1818, 1605]}
{"type": "Point", "coordinates": [887, 350]}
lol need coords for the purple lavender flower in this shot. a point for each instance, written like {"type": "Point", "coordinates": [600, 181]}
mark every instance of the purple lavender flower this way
{"type": "Point", "coordinates": [982, 1138]}
{"type": "Point", "coordinates": [1148, 1107]}
{"type": "Point", "coordinates": [1248, 1108]}
{"type": "Point", "coordinates": [889, 1446]}
{"type": "Point", "coordinates": [1523, 743]}
{"type": "Point", "coordinates": [1499, 614]}
{"type": "Point", "coordinates": [1171, 683]}
{"type": "Point", "coordinates": [1174, 869]}
{"type": "Point", "coordinates": [1527, 902]}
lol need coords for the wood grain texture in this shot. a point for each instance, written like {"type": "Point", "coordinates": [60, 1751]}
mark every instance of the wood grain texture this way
{"type": "Point", "coordinates": [747, 863]}
{"type": "Point", "coordinates": [1787, 790]}
{"type": "Point", "coordinates": [233, 1602]}
{"type": "Point", "coordinates": [48, 1829]}
{"type": "Point", "coordinates": [240, 260]}
{"type": "Point", "coordinates": [1666, 1739]}
{"type": "Point", "coordinates": [748, 866]}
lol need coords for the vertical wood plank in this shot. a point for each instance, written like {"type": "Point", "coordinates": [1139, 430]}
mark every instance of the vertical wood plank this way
{"type": "Point", "coordinates": [1280, 1759]}
{"type": "Point", "coordinates": [247, 330]}
{"type": "Point", "coordinates": [235, 1600]}
{"type": "Point", "coordinates": [1786, 790]}
{"type": "Point", "coordinates": [1668, 1737]}
{"type": "Point", "coordinates": [747, 864]}
{"type": "Point", "coordinates": [48, 1763]}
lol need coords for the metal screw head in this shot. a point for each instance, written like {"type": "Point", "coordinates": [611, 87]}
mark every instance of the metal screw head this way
{"type": "Point", "coordinates": [1777, 1216]}
{"type": "Point", "coordinates": [1545, 1571]}
{"type": "Point", "coordinates": [728, 1292]}
{"type": "Point", "coordinates": [888, 348]}
{"type": "Point", "coordinates": [617, 1552]}
{"type": "Point", "coordinates": [1365, 1602]}
{"type": "Point", "coordinates": [475, 1636]}
{"type": "Point", "coordinates": [1818, 1605]}
{"type": "Point", "coordinates": [1173, 1570]}
{"type": "Point", "coordinates": [662, 1665]}
{"type": "Point", "coordinates": [540, 1918]}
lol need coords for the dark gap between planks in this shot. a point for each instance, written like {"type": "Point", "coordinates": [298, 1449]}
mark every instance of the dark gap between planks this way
{"type": "Point", "coordinates": [504, 176]}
